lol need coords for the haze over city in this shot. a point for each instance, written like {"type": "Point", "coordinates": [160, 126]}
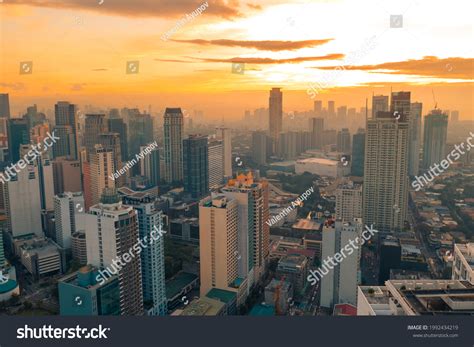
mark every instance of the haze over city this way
{"type": "Point", "coordinates": [296, 160]}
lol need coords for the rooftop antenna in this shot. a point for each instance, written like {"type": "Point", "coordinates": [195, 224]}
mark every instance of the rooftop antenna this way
{"type": "Point", "coordinates": [434, 99]}
{"type": "Point", "coordinates": [367, 109]}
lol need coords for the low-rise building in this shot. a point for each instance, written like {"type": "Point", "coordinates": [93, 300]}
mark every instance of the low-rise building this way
{"type": "Point", "coordinates": [185, 230]}
{"type": "Point", "coordinates": [80, 294]}
{"type": "Point", "coordinates": [416, 298]}
{"type": "Point", "coordinates": [294, 269]}
{"type": "Point", "coordinates": [463, 266]}
{"type": "Point", "coordinates": [322, 167]}
{"type": "Point", "coordinates": [204, 307]}
{"type": "Point", "coordinates": [40, 256]}
{"type": "Point", "coordinates": [279, 293]}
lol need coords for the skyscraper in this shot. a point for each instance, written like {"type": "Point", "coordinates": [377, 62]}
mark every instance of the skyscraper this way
{"type": "Point", "coordinates": [259, 147]}
{"type": "Point", "coordinates": [358, 153]}
{"type": "Point", "coordinates": [253, 231]}
{"type": "Point", "coordinates": [4, 106]}
{"type": "Point", "coordinates": [46, 182]}
{"type": "Point", "coordinates": [414, 143]}
{"type": "Point", "coordinates": [150, 166]}
{"type": "Point", "coordinates": [385, 190]}
{"type": "Point", "coordinates": [140, 132]}
{"type": "Point", "coordinates": [196, 166]}
{"type": "Point", "coordinates": [339, 285]}
{"type": "Point", "coordinates": [318, 107]}
{"type": "Point", "coordinates": [112, 230]}
{"type": "Point", "coordinates": [401, 103]}
{"type": "Point", "coordinates": [66, 175]}
{"type": "Point", "coordinates": [111, 141]}
{"type": "Point", "coordinates": [379, 103]}
{"type": "Point", "coordinates": [331, 109]}
{"type": "Point", "coordinates": [349, 201]}
{"type": "Point", "coordinates": [225, 136]}
{"type": "Point", "coordinates": [18, 134]}
{"type": "Point", "coordinates": [101, 173]}
{"type": "Point", "coordinates": [317, 129]}
{"type": "Point", "coordinates": [276, 115]}
{"type": "Point", "coordinates": [69, 216]}
{"type": "Point", "coordinates": [65, 143]}
{"type": "Point", "coordinates": [173, 137]}
{"type": "Point", "coordinates": [342, 114]}
{"type": "Point", "coordinates": [343, 143]}
{"type": "Point", "coordinates": [216, 162]}
{"type": "Point", "coordinates": [150, 222]}
{"type": "Point", "coordinates": [66, 115]}
{"type": "Point", "coordinates": [287, 145]}
{"type": "Point", "coordinates": [218, 243]}
{"type": "Point", "coordinates": [95, 125]}
{"type": "Point", "coordinates": [434, 139]}
{"type": "Point", "coordinates": [23, 202]}
{"type": "Point", "coordinates": [117, 125]}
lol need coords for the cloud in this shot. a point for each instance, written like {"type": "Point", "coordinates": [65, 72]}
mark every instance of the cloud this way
{"type": "Point", "coordinates": [456, 68]}
{"type": "Point", "coordinates": [173, 61]}
{"type": "Point", "coordinates": [77, 87]}
{"type": "Point", "coordinates": [13, 86]}
{"type": "Point", "coordinates": [269, 45]}
{"type": "Point", "coordinates": [142, 8]}
{"type": "Point", "coordinates": [254, 7]}
{"type": "Point", "coordinates": [271, 60]}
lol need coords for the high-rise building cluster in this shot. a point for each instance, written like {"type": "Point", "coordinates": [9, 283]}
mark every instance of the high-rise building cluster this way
{"type": "Point", "coordinates": [147, 215]}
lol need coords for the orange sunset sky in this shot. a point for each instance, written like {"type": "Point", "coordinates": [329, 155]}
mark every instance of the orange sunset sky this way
{"type": "Point", "coordinates": [79, 50]}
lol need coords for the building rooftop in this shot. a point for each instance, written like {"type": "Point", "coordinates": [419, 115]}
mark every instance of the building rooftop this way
{"type": "Point", "coordinates": [175, 285]}
{"type": "Point", "coordinates": [292, 261]}
{"type": "Point", "coordinates": [262, 310]}
{"type": "Point", "coordinates": [344, 310]}
{"type": "Point", "coordinates": [225, 296]}
{"type": "Point", "coordinates": [433, 297]}
{"type": "Point", "coordinates": [203, 307]}
{"type": "Point", "coordinates": [307, 224]}
{"type": "Point", "coordinates": [41, 246]}
{"type": "Point", "coordinates": [85, 277]}
{"type": "Point", "coordinates": [284, 285]}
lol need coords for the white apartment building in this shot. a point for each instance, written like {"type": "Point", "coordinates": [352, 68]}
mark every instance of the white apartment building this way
{"type": "Point", "coordinates": [349, 201]}
{"type": "Point", "coordinates": [225, 136]}
{"type": "Point", "coordinates": [463, 265]}
{"type": "Point", "coordinates": [69, 214]}
{"type": "Point", "coordinates": [339, 285]}
{"type": "Point", "coordinates": [23, 202]}
{"type": "Point", "coordinates": [111, 232]}
{"type": "Point", "coordinates": [215, 163]}
{"type": "Point", "coordinates": [385, 189]}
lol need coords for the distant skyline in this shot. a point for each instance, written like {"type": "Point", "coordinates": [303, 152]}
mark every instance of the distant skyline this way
{"type": "Point", "coordinates": [79, 51]}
